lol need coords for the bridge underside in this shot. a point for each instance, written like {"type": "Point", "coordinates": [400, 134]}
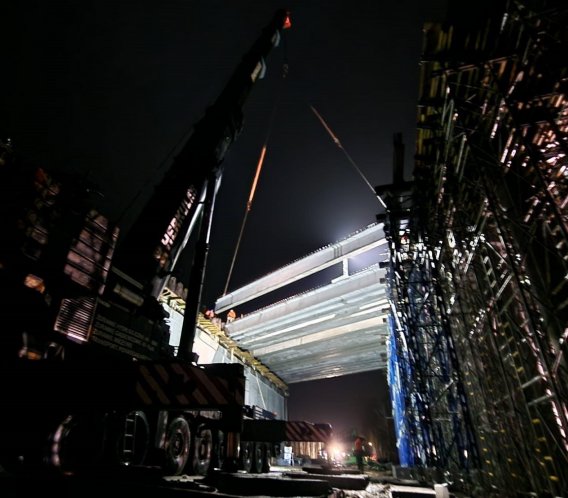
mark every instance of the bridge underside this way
{"type": "Point", "coordinates": [335, 329]}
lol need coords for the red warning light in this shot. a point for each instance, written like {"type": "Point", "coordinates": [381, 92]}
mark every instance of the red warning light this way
{"type": "Point", "coordinates": [287, 21]}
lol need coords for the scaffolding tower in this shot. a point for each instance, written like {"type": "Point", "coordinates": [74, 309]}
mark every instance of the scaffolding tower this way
{"type": "Point", "coordinates": [478, 273]}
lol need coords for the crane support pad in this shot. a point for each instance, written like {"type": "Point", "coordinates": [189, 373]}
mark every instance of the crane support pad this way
{"type": "Point", "coordinates": [340, 481]}
{"type": "Point", "coordinates": [266, 485]}
{"type": "Point", "coordinates": [164, 384]}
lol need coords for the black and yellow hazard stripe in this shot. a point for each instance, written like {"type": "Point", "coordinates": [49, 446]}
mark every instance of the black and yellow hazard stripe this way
{"type": "Point", "coordinates": [175, 384]}
{"type": "Point", "coordinates": [306, 431]}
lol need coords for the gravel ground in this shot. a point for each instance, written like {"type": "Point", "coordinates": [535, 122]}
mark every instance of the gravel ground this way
{"type": "Point", "coordinates": [381, 485]}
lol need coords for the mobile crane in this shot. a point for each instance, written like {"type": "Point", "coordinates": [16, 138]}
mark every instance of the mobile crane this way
{"type": "Point", "coordinates": [88, 376]}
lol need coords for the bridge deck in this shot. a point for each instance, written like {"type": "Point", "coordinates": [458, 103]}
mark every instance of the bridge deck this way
{"type": "Point", "coordinates": [336, 329]}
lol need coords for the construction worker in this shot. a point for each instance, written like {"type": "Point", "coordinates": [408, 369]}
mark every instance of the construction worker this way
{"type": "Point", "coordinates": [359, 452]}
{"type": "Point", "coordinates": [231, 315]}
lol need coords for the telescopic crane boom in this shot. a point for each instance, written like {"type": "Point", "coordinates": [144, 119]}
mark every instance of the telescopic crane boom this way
{"type": "Point", "coordinates": [183, 202]}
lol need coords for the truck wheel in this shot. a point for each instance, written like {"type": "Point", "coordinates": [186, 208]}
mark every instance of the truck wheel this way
{"type": "Point", "coordinates": [25, 441]}
{"type": "Point", "coordinates": [77, 442]}
{"type": "Point", "coordinates": [265, 458]}
{"type": "Point", "coordinates": [204, 445]}
{"type": "Point", "coordinates": [257, 458]}
{"type": "Point", "coordinates": [219, 450]}
{"type": "Point", "coordinates": [245, 456]}
{"type": "Point", "coordinates": [178, 439]}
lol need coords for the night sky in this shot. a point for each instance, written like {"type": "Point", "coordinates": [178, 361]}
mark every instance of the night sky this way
{"type": "Point", "coordinates": [107, 89]}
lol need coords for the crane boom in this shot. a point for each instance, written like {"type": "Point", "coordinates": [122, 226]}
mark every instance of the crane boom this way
{"type": "Point", "coordinates": [183, 201]}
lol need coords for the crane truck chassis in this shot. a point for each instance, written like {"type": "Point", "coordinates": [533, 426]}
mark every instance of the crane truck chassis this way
{"type": "Point", "coordinates": [89, 380]}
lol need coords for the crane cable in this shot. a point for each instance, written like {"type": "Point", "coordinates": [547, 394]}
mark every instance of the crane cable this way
{"type": "Point", "coordinates": [338, 143]}
{"type": "Point", "coordinates": [257, 175]}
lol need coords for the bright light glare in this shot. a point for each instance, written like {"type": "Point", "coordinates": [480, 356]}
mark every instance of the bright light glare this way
{"type": "Point", "coordinates": [336, 452]}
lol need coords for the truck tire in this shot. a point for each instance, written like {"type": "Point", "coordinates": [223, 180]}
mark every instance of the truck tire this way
{"type": "Point", "coordinates": [78, 442]}
{"type": "Point", "coordinates": [245, 456]}
{"type": "Point", "coordinates": [26, 441]}
{"type": "Point", "coordinates": [219, 450]}
{"type": "Point", "coordinates": [177, 446]}
{"type": "Point", "coordinates": [258, 456]}
{"type": "Point", "coordinates": [203, 450]}
{"type": "Point", "coordinates": [266, 458]}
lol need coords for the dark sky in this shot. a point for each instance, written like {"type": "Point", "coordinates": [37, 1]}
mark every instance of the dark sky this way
{"type": "Point", "coordinates": [107, 89]}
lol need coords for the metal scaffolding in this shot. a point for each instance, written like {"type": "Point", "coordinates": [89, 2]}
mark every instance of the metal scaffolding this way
{"type": "Point", "coordinates": [479, 257]}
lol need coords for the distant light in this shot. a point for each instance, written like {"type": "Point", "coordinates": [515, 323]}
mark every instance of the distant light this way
{"type": "Point", "coordinates": [336, 452]}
